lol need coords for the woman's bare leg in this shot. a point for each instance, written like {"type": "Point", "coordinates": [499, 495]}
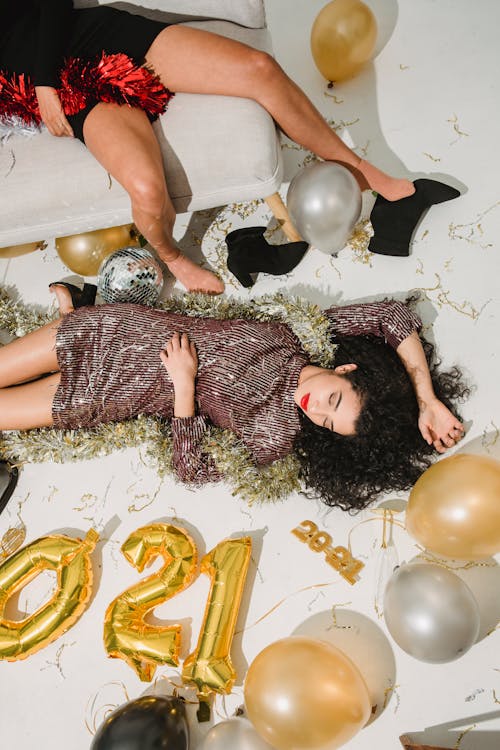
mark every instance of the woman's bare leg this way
{"type": "Point", "coordinates": [29, 357]}
{"type": "Point", "coordinates": [195, 61]}
{"type": "Point", "coordinates": [24, 407]}
{"type": "Point", "coordinates": [122, 140]}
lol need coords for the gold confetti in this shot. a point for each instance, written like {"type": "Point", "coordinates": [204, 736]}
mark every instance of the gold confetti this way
{"type": "Point", "coordinates": [403, 67]}
{"type": "Point", "coordinates": [388, 693]}
{"type": "Point", "coordinates": [456, 128]}
{"type": "Point", "coordinates": [489, 440]}
{"type": "Point", "coordinates": [462, 735]}
{"type": "Point", "coordinates": [133, 508]}
{"type": "Point", "coordinates": [495, 697]}
{"type": "Point", "coordinates": [442, 300]}
{"type": "Point", "coordinates": [364, 149]}
{"type": "Point", "coordinates": [334, 97]}
{"type": "Point", "coordinates": [358, 242]}
{"type": "Point", "coordinates": [467, 232]}
{"type": "Point", "coordinates": [57, 662]}
{"type": "Point", "coordinates": [431, 157]}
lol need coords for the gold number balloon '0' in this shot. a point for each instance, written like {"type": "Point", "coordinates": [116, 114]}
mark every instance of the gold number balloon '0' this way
{"type": "Point", "coordinates": [209, 667]}
{"type": "Point", "coordinates": [70, 558]}
{"type": "Point", "coordinates": [127, 636]}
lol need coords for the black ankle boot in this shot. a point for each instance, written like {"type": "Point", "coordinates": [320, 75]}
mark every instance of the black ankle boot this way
{"type": "Point", "coordinates": [394, 222]}
{"type": "Point", "coordinates": [249, 252]}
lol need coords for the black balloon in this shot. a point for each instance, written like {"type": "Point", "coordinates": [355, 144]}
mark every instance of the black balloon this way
{"type": "Point", "coordinates": [148, 723]}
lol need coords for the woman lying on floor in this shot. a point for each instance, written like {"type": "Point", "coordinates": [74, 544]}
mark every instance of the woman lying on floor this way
{"type": "Point", "coordinates": [369, 425]}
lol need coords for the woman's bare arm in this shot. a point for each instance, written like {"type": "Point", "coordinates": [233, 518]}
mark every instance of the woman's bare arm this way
{"type": "Point", "coordinates": [436, 422]}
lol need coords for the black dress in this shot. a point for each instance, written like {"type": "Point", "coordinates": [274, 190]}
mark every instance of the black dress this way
{"type": "Point", "coordinates": [38, 36]}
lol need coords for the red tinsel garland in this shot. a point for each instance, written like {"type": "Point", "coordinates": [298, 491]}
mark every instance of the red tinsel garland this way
{"type": "Point", "coordinates": [110, 78]}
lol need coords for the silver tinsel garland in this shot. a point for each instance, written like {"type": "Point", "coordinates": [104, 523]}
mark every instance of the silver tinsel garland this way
{"type": "Point", "coordinates": [232, 459]}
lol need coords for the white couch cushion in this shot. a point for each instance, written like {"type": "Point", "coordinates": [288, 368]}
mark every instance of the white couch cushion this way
{"type": "Point", "coordinates": [216, 150]}
{"type": "Point", "coordinates": [248, 13]}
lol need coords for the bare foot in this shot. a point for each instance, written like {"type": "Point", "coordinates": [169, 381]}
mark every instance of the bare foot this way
{"type": "Point", "coordinates": [194, 278]}
{"type": "Point", "coordinates": [391, 188]}
{"type": "Point", "coordinates": [64, 300]}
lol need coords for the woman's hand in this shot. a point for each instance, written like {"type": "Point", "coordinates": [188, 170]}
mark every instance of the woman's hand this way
{"type": "Point", "coordinates": [438, 425]}
{"type": "Point", "coordinates": [181, 362]}
{"type": "Point", "coordinates": [51, 111]}
{"type": "Point", "coordinates": [180, 359]}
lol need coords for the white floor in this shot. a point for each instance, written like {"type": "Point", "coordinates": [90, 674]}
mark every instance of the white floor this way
{"type": "Point", "coordinates": [428, 106]}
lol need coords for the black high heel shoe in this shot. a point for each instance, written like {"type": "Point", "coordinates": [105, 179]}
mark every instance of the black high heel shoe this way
{"type": "Point", "coordinates": [394, 222]}
{"type": "Point", "coordinates": [8, 481]}
{"type": "Point", "coordinates": [249, 252]}
{"type": "Point", "coordinates": [79, 297]}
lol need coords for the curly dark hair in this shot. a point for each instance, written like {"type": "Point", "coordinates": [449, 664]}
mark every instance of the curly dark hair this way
{"type": "Point", "coordinates": [388, 452]}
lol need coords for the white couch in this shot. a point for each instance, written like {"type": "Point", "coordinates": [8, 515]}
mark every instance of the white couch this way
{"type": "Point", "coordinates": [216, 149]}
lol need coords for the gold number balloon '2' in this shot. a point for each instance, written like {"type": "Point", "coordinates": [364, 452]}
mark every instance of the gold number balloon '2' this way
{"type": "Point", "coordinates": [70, 558]}
{"type": "Point", "coordinates": [127, 635]}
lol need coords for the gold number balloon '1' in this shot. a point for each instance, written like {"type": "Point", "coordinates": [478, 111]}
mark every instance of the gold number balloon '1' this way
{"type": "Point", "coordinates": [83, 253]}
{"type": "Point", "coordinates": [70, 558]}
{"type": "Point", "coordinates": [343, 38]}
{"type": "Point", "coordinates": [454, 507]}
{"type": "Point", "coordinates": [209, 667]}
{"type": "Point", "coordinates": [127, 636]}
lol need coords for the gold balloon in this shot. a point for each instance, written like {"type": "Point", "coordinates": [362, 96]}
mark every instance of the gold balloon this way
{"type": "Point", "coordinates": [305, 694]}
{"type": "Point", "coordinates": [343, 38]}
{"type": "Point", "coordinates": [454, 507]}
{"type": "Point", "coordinates": [70, 558]}
{"type": "Point", "coordinates": [209, 667]}
{"type": "Point", "coordinates": [84, 253]}
{"type": "Point", "coordinates": [15, 251]}
{"type": "Point", "coordinates": [127, 635]}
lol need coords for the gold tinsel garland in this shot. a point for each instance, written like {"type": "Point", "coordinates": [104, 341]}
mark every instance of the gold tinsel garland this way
{"type": "Point", "coordinates": [232, 459]}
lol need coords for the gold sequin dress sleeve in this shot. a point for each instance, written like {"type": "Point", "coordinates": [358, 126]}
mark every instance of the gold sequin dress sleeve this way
{"type": "Point", "coordinates": [109, 357]}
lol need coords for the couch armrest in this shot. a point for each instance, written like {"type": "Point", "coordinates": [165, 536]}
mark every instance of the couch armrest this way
{"type": "Point", "coordinates": [249, 13]}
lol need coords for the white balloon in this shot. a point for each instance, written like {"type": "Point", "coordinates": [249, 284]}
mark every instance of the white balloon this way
{"type": "Point", "coordinates": [324, 203]}
{"type": "Point", "coordinates": [430, 612]}
{"type": "Point", "coordinates": [234, 734]}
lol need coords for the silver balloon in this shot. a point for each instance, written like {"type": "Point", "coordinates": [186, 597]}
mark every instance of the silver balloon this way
{"type": "Point", "coordinates": [234, 734]}
{"type": "Point", "coordinates": [324, 203]}
{"type": "Point", "coordinates": [131, 274]}
{"type": "Point", "coordinates": [430, 612]}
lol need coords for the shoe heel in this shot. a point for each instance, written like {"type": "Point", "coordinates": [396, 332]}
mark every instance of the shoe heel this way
{"type": "Point", "coordinates": [89, 292]}
{"type": "Point", "coordinates": [243, 276]}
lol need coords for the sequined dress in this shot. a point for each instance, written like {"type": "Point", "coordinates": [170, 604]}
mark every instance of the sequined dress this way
{"type": "Point", "coordinates": [109, 358]}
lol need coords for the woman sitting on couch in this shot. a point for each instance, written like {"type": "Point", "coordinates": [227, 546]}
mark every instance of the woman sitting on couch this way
{"type": "Point", "coordinates": [49, 51]}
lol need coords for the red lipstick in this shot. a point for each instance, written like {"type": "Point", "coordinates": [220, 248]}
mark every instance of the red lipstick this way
{"type": "Point", "coordinates": [304, 401]}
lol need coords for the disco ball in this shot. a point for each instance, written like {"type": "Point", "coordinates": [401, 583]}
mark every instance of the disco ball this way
{"type": "Point", "coordinates": [131, 274]}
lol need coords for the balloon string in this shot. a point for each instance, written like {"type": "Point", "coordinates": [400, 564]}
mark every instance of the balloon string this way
{"type": "Point", "coordinates": [107, 707]}
{"type": "Point", "coordinates": [429, 557]}
{"type": "Point", "coordinates": [282, 601]}
{"type": "Point", "coordinates": [368, 520]}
